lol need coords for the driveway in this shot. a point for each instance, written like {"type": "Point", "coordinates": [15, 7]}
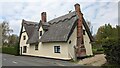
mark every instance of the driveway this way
{"type": "Point", "coordinates": [97, 60]}
{"type": "Point", "coordinates": [11, 60]}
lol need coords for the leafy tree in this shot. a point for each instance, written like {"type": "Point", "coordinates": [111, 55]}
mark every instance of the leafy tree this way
{"type": "Point", "coordinates": [13, 39]}
{"type": "Point", "coordinates": [108, 37]}
{"type": "Point", "coordinates": [104, 32]}
{"type": "Point", "coordinates": [5, 31]}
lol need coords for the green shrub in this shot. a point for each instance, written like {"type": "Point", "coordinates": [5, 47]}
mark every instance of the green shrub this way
{"type": "Point", "coordinates": [98, 51]}
{"type": "Point", "coordinates": [97, 48]}
{"type": "Point", "coordinates": [108, 65]}
{"type": "Point", "coordinates": [112, 50]}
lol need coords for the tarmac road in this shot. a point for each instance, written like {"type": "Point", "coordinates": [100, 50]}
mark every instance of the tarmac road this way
{"type": "Point", "coordinates": [11, 60]}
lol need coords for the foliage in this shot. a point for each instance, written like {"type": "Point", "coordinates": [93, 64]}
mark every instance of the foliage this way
{"type": "Point", "coordinates": [10, 41]}
{"type": "Point", "coordinates": [14, 50]}
{"type": "Point", "coordinates": [112, 50]}
{"type": "Point", "coordinates": [97, 48]}
{"type": "Point", "coordinates": [13, 39]}
{"type": "Point", "coordinates": [5, 31]}
{"type": "Point", "coordinates": [107, 65]}
{"type": "Point", "coordinates": [106, 31]}
{"type": "Point", "coordinates": [97, 51]}
{"type": "Point", "coordinates": [107, 38]}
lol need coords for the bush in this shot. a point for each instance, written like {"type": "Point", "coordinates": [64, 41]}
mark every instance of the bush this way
{"type": "Point", "coordinates": [100, 49]}
{"type": "Point", "coordinates": [112, 50]}
{"type": "Point", "coordinates": [107, 65]}
{"type": "Point", "coordinates": [97, 49]}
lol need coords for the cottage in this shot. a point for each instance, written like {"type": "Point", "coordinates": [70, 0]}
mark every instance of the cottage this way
{"type": "Point", "coordinates": [65, 37]}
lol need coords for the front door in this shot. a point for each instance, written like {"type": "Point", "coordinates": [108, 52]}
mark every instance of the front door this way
{"type": "Point", "coordinates": [24, 49]}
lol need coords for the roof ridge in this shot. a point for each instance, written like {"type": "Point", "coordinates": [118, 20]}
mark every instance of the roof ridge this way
{"type": "Point", "coordinates": [65, 19]}
{"type": "Point", "coordinates": [62, 18]}
{"type": "Point", "coordinates": [29, 22]}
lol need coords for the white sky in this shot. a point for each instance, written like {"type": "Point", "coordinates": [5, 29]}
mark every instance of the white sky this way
{"type": "Point", "coordinates": [98, 12]}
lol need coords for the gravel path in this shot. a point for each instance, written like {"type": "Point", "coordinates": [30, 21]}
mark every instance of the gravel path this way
{"type": "Point", "coordinates": [97, 60]}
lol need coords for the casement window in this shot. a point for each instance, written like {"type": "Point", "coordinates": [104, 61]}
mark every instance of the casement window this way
{"type": "Point", "coordinates": [36, 46]}
{"type": "Point", "coordinates": [24, 37]}
{"type": "Point", "coordinates": [24, 49]}
{"type": "Point", "coordinates": [83, 32]}
{"type": "Point", "coordinates": [40, 33]}
{"type": "Point", "coordinates": [56, 49]}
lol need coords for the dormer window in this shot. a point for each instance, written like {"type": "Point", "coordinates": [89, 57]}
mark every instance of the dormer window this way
{"type": "Point", "coordinates": [40, 33]}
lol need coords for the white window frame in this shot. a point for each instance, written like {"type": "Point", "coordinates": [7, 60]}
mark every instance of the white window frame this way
{"type": "Point", "coordinates": [57, 49]}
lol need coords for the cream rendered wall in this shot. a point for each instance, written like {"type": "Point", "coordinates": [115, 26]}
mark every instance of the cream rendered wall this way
{"type": "Point", "coordinates": [47, 50]}
{"type": "Point", "coordinates": [71, 46]}
{"type": "Point", "coordinates": [23, 42]}
{"type": "Point", "coordinates": [87, 43]}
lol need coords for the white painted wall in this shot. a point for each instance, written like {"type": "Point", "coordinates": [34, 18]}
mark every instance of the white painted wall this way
{"type": "Point", "coordinates": [71, 49]}
{"type": "Point", "coordinates": [87, 43]}
{"type": "Point", "coordinates": [47, 50]}
{"type": "Point", "coordinates": [23, 42]}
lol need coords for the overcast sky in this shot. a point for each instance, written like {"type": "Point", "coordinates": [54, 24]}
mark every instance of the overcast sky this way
{"type": "Point", "coordinates": [97, 12]}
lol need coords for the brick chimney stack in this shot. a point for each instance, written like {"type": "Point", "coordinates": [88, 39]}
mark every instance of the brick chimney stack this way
{"type": "Point", "coordinates": [43, 17]}
{"type": "Point", "coordinates": [79, 24]}
{"type": "Point", "coordinates": [80, 41]}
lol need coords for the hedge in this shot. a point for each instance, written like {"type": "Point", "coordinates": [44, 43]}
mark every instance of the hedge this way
{"type": "Point", "coordinates": [14, 50]}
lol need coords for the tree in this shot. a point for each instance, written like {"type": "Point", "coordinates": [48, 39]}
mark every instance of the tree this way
{"type": "Point", "coordinates": [107, 36]}
{"type": "Point", "coordinates": [13, 39]}
{"type": "Point", "coordinates": [104, 32]}
{"type": "Point", "coordinates": [6, 31]}
{"type": "Point", "coordinates": [0, 35]}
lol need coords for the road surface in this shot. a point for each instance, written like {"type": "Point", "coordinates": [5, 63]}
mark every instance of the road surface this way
{"type": "Point", "coordinates": [11, 60]}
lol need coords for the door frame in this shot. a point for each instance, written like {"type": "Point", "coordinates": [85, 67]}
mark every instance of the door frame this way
{"type": "Point", "coordinates": [20, 50]}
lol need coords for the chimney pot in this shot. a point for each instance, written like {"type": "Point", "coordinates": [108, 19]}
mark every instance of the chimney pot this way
{"type": "Point", "coordinates": [77, 7]}
{"type": "Point", "coordinates": [43, 17]}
